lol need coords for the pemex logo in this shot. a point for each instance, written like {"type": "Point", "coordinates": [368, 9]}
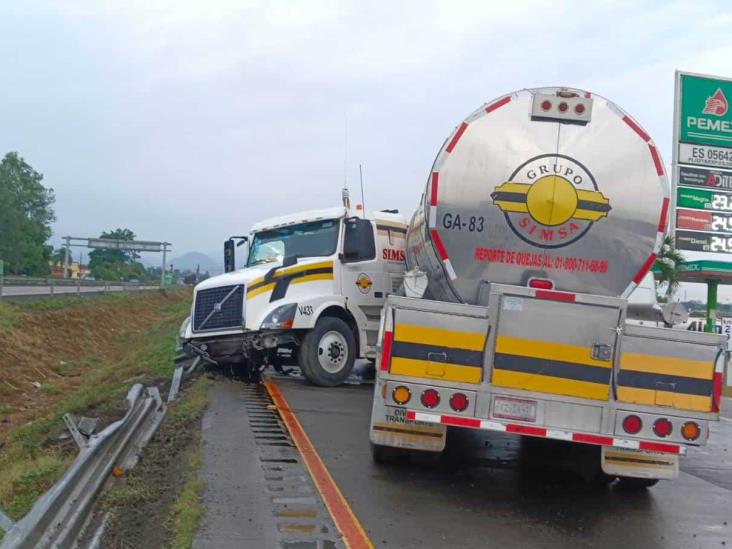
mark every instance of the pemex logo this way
{"type": "Point", "coordinates": [716, 104]}
{"type": "Point", "coordinates": [551, 201]}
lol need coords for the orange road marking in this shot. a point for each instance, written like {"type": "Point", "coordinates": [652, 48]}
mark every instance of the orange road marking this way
{"type": "Point", "coordinates": [346, 522]}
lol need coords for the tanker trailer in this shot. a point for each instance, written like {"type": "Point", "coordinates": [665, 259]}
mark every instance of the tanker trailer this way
{"type": "Point", "coordinates": [542, 212]}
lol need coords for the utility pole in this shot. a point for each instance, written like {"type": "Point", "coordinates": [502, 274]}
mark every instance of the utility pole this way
{"type": "Point", "coordinates": [162, 268]}
{"type": "Point", "coordinates": [66, 256]}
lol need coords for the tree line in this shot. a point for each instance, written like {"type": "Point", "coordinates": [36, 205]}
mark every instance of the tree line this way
{"type": "Point", "coordinates": [26, 215]}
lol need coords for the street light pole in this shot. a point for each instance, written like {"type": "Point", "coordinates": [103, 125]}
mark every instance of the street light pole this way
{"type": "Point", "coordinates": [66, 256]}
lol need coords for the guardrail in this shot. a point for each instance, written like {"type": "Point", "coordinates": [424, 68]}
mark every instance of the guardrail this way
{"type": "Point", "coordinates": [61, 516]}
{"type": "Point", "coordinates": [11, 286]}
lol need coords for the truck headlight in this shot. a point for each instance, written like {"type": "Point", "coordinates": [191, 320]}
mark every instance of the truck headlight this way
{"type": "Point", "coordinates": [282, 317]}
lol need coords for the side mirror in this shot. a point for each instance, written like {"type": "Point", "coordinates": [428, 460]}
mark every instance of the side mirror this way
{"type": "Point", "coordinates": [230, 252]}
{"type": "Point", "coordinates": [229, 256]}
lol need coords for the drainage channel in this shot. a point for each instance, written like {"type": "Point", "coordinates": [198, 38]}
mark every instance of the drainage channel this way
{"type": "Point", "coordinates": [303, 521]}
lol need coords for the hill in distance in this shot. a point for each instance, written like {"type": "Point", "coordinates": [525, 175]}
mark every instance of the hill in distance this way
{"type": "Point", "coordinates": [190, 260]}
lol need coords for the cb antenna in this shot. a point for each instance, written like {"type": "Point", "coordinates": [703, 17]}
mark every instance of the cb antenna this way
{"type": "Point", "coordinates": [363, 200]}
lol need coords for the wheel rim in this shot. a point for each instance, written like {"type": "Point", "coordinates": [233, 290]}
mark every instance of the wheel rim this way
{"type": "Point", "coordinates": [332, 352]}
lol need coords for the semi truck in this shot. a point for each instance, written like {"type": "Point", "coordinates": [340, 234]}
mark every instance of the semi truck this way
{"type": "Point", "coordinates": [310, 294]}
{"type": "Point", "coordinates": [542, 213]}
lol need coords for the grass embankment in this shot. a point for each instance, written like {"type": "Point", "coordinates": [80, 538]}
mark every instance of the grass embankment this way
{"type": "Point", "coordinates": [157, 504]}
{"type": "Point", "coordinates": [73, 355]}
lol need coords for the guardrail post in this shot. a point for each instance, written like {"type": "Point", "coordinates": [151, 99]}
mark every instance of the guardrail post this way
{"type": "Point", "coordinates": [52, 286]}
{"type": "Point", "coordinates": [78, 286]}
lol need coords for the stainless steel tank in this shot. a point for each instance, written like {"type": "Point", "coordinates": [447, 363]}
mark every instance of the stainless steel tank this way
{"type": "Point", "coordinates": [553, 184]}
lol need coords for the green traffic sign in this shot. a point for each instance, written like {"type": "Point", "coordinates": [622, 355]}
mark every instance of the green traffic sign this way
{"type": "Point", "coordinates": [706, 118]}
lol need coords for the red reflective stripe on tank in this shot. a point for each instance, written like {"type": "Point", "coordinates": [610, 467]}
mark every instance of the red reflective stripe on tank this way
{"type": "Point", "coordinates": [498, 104]}
{"type": "Point", "coordinates": [716, 391]}
{"type": "Point", "coordinates": [656, 159]}
{"type": "Point", "coordinates": [644, 269]}
{"type": "Point", "coordinates": [636, 128]}
{"type": "Point", "coordinates": [460, 421]}
{"type": "Point", "coordinates": [457, 136]}
{"type": "Point", "coordinates": [433, 189]}
{"type": "Point", "coordinates": [664, 216]}
{"type": "Point", "coordinates": [658, 447]}
{"type": "Point", "coordinates": [526, 430]}
{"type": "Point", "coordinates": [592, 439]}
{"type": "Point", "coordinates": [438, 244]}
{"type": "Point", "coordinates": [386, 351]}
{"type": "Point", "coordinates": [556, 296]}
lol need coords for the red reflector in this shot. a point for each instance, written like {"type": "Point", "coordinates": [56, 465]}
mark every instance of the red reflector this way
{"type": "Point", "coordinates": [632, 424]}
{"type": "Point", "coordinates": [662, 427]}
{"type": "Point", "coordinates": [459, 402]}
{"type": "Point", "coordinates": [541, 284]}
{"type": "Point", "coordinates": [386, 351]}
{"type": "Point", "coordinates": [716, 391]}
{"type": "Point", "coordinates": [563, 107]}
{"type": "Point", "coordinates": [546, 105]}
{"type": "Point", "coordinates": [555, 296]}
{"type": "Point", "coordinates": [430, 398]}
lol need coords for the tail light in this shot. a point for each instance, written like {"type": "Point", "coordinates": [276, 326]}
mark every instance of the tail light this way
{"type": "Point", "coordinates": [459, 402]}
{"type": "Point", "coordinates": [632, 425]}
{"type": "Point", "coordinates": [662, 427]}
{"type": "Point", "coordinates": [690, 430]}
{"type": "Point", "coordinates": [541, 284]}
{"type": "Point", "coordinates": [430, 398]}
{"type": "Point", "coordinates": [401, 395]}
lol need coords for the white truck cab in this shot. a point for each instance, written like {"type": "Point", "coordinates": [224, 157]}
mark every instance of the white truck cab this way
{"type": "Point", "coordinates": [311, 294]}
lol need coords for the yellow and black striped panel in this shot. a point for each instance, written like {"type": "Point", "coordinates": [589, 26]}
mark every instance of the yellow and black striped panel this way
{"type": "Point", "coordinates": [422, 351]}
{"type": "Point", "coordinates": [666, 381]}
{"type": "Point", "coordinates": [545, 367]}
{"type": "Point", "coordinates": [281, 279]}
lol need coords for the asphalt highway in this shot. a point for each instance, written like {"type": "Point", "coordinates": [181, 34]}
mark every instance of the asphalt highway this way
{"type": "Point", "coordinates": [488, 491]}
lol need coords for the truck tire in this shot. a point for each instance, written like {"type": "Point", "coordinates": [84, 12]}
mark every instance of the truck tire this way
{"type": "Point", "coordinates": [328, 352]}
{"type": "Point", "coordinates": [631, 483]}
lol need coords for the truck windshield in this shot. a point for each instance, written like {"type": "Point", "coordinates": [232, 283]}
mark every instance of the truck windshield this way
{"type": "Point", "coordinates": [315, 239]}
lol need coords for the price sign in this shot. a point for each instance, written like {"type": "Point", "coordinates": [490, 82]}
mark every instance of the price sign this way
{"type": "Point", "coordinates": [702, 199]}
{"type": "Point", "coordinates": [703, 242]}
{"type": "Point", "coordinates": [697, 220]}
{"type": "Point", "coordinates": [703, 163]}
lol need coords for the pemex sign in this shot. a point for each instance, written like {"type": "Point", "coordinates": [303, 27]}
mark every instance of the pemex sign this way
{"type": "Point", "coordinates": [703, 163]}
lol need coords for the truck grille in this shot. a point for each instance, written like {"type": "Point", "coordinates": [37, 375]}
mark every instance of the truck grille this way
{"type": "Point", "coordinates": [218, 308]}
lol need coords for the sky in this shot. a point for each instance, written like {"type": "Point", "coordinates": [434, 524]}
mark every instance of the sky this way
{"type": "Point", "coordinates": [190, 121]}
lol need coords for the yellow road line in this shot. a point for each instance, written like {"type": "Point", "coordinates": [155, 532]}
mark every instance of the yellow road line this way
{"type": "Point", "coordinates": [350, 528]}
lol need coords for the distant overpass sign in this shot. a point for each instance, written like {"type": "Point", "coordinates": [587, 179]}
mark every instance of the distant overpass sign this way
{"type": "Point", "coordinates": [702, 163]}
{"type": "Point", "coordinates": [127, 245]}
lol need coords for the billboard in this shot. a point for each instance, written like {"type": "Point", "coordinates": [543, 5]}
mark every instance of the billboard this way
{"type": "Point", "coordinates": [702, 174]}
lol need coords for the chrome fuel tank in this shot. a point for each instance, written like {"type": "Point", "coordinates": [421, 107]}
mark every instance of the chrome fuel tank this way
{"type": "Point", "coordinates": [551, 183]}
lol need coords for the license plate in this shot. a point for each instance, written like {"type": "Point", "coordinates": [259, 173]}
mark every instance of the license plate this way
{"type": "Point", "coordinates": [514, 408]}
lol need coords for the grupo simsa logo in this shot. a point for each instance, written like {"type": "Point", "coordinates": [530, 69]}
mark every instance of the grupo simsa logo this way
{"type": "Point", "coordinates": [551, 201]}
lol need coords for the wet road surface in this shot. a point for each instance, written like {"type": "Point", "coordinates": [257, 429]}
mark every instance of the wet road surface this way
{"type": "Point", "coordinates": [482, 496]}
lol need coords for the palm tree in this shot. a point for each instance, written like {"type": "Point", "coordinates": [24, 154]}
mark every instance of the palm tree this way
{"type": "Point", "coordinates": [668, 263]}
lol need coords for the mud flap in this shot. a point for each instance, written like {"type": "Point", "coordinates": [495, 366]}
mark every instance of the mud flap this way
{"type": "Point", "coordinates": [390, 427]}
{"type": "Point", "coordinates": [639, 463]}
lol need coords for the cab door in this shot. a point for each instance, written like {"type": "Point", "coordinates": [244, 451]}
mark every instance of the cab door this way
{"type": "Point", "coordinates": [363, 281]}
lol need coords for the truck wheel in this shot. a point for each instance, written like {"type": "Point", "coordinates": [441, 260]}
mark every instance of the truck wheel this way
{"type": "Point", "coordinates": [328, 352]}
{"type": "Point", "coordinates": [631, 483]}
